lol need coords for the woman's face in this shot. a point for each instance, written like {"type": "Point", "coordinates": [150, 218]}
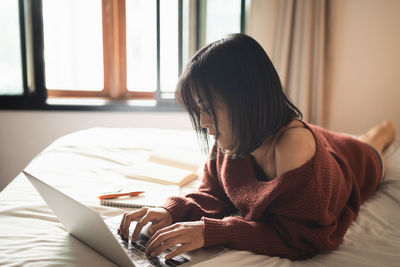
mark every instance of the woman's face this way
{"type": "Point", "coordinates": [224, 135]}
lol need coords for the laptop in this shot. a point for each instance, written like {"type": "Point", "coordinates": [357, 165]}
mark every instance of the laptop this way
{"type": "Point", "coordinates": [87, 226]}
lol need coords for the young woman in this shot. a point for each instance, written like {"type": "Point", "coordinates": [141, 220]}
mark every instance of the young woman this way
{"type": "Point", "coordinates": [273, 184]}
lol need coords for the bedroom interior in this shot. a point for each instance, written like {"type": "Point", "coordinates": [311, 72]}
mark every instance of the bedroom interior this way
{"type": "Point", "coordinates": [361, 81]}
{"type": "Point", "coordinates": [346, 69]}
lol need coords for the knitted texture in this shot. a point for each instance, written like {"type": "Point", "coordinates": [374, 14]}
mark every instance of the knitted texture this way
{"type": "Point", "coordinates": [295, 215]}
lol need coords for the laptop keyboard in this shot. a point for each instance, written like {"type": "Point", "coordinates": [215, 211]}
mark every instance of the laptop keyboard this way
{"type": "Point", "coordinates": [136, 250]}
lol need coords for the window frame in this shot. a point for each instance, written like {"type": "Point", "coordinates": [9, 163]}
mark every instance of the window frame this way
{"type": "Point", "coordinates": [117, 97]}
{"type": "Point", "coordinates": [34, 93]}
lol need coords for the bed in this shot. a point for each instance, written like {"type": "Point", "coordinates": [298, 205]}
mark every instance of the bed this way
{"type": "Point", "coordinates": [85, 163]}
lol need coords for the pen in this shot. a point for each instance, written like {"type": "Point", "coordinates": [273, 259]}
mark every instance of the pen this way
{"type": "Point", "coordinates": [116, 195]}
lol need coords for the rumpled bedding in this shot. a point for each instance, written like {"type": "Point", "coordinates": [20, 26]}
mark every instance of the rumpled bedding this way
{"type": "Point", "coordinates": [87, 163]}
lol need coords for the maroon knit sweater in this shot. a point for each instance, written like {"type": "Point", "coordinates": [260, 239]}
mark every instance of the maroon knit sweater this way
{"type": "Point", "coordinates": [295, 215]}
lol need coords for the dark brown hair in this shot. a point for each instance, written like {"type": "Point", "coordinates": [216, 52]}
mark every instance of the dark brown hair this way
{"type": "Point", "coordinates": [238, 71]}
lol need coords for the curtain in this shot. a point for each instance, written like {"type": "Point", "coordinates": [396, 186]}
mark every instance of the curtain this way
{"type": "Point", "coordinates": [298, 54]}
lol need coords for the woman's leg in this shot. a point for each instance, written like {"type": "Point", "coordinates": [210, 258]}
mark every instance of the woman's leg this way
{"type": "Point", "coordinates": [379, 137]}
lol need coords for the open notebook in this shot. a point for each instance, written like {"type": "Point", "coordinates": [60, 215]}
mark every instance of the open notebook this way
{"type": "Point", "coordinates": [154, 194]}
{"type": "Point", "coordinates": [166, 173]}
{"type": "Point", "coordinates": [168, 167]}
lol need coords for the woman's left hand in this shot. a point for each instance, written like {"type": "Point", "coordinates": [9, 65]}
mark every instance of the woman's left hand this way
{"type": "Point", "coordinates": [190, 235]}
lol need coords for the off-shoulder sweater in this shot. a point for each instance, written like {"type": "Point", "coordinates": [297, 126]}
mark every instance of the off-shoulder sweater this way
{"type": "Point", "coordinates": [295, 215]}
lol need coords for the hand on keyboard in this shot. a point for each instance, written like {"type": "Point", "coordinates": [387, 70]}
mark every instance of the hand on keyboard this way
{"type": "Point", "coordinates": [189, 235]}
{"type": "Point", "coordinates": [158, 216]}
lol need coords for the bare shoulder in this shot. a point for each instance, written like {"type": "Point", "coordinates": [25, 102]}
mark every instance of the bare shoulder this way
{"type": "Point", "coordinates": [293, 149]}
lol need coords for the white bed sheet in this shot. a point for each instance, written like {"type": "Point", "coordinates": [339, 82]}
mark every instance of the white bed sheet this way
{"type": "Point", "coordinates": [86, 163]}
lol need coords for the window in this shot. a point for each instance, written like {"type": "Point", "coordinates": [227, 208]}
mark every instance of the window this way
{"type": "Point", "coordinates": [73, 49]}
{"type": "Point", "coordinates": [114, 51]}
{"type": "Point", "coordinates": [217, 18]}
{"type": "Point", "coordinates": [141, 39]}
{"type": "Point", "coordinates": [10, 46]}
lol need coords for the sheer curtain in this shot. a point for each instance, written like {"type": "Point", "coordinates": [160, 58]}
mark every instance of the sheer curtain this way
{"type": "Point", "coordinates": [298, 53]}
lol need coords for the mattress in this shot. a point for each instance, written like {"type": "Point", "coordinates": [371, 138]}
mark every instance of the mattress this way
{"type": "Point", "coordinates": [86, 163]}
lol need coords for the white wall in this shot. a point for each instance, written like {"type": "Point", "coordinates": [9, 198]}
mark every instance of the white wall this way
{"type": "Point", "coordinates": [363, 64]}
{"type": "Point", "coordinates": [23, 134]}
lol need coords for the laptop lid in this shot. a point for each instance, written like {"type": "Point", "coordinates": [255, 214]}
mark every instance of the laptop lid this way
{"type": "Point", "coordinates": [87, 226]}
{"type": "Point", "coordinates": [82, 222]}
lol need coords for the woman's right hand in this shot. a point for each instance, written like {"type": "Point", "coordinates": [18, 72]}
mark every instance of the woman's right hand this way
{"type": "Point", "coordinates": [160, 218]}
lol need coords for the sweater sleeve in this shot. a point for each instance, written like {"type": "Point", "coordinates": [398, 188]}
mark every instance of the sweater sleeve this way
{"type": "Point", "coordinates": [210, 200]}
{"type": "Point", "coordinates": [277, 237]}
